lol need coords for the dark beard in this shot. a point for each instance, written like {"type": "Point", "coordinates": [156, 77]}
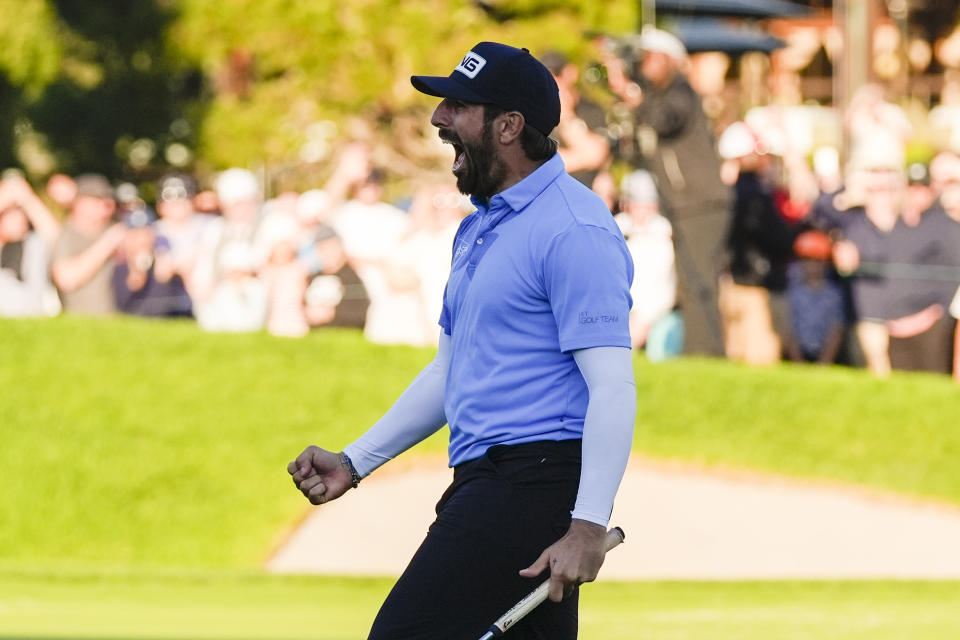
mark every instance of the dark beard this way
{"type": "Point", "coordinates": [482, 172]}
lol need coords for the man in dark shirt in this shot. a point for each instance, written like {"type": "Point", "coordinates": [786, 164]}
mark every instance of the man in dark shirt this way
{"type": "Point", "coordinates": [899, 298]}
{"type": "Point", "coordinates": [678, 147]}
{"type": "Point", "coordinates": [760, 243]}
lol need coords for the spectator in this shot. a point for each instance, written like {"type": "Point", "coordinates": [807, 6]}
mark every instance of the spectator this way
{"type": "Point", "coordinates": [817, 306]}
{"type": "Point", "coordinates": [240, 199]}
{"type": "Point", "coordinates": [336, 296]}
{"type": "Point", "coordinates": [920, 194]}
{"type": "Point", "coordinates": [649, 239]}
{"type": "Point", "coordinates": [238, 302]}
{"type": "Point", "coordinates": [127, 197]}
{"type": "Point", "coordinates": [145, 281]}
{"type": "Point", "coordinates": [865, 232]}
{"type": "Point", "coordinates": [180, 229]}
{"type": "Point", "coordinates": [371, 231]}
{"type": "Point", "coordinates": [945, 177]}
{"type": "Point", "coordinates": [25, 287]}
{"type": "Point", "coordinates": [873, 122]}
{"type": "Point", "coordinates": [284, 276]}
{"type": "Point", "coordinates": [901, 311]}
{"type": "Point", "coordinates": [313, 208]}
{"type": "Point", "coordinates": [582, 132]}
{"type": "Point", "coordinates": [760, 244]}
{"type": "Point", "coordinates": [421, 261]}
{"type": "Point", "coordinates": [676, 141]}
{"type": "Point", "coordinates": [827, 210]}
{"type": "Point", "coordinates": [61, 191]}
{"type": "Point", "coordinates": [82, 267]}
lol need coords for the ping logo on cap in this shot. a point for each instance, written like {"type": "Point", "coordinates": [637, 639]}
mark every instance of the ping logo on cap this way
{"type": "Point", "coordinates": [471, 65]}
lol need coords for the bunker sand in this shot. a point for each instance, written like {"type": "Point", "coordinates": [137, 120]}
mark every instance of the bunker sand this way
{"type": "Point", "coordinates": [681, 523]}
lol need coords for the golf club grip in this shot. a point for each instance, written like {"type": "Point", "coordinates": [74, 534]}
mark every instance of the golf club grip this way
{"type": "Point", "coordinates": [536, 597]}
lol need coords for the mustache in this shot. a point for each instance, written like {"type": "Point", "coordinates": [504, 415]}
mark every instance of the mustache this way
{"type": "Point", "coordinates": [447, 135]}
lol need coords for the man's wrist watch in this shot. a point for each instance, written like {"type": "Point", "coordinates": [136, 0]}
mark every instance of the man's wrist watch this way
{"type": "Point", "coordinates": [348, 465]}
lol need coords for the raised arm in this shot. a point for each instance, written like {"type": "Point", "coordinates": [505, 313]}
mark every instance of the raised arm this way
{"type": "Point", "coordinates": [72, 272]}
{"type": "Point", "coordinates": [324, 475]}
{"type": "Point", "coordinates": [16, 190]}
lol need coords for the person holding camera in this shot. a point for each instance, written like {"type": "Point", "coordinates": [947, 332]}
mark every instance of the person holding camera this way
{"type": "Point", "coordinates": [677, 145]}
{"type": "Point", "coordinates": [145, 280]}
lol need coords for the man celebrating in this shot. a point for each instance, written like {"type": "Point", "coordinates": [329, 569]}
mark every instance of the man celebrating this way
{"type": "Point", "coordinates": [533, 373]}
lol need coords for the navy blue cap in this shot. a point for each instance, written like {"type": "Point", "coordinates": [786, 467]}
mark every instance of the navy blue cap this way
{"type": "Point", "coordinates": [510, 78]}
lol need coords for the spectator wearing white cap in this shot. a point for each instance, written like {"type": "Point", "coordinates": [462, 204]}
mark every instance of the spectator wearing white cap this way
{"type": "Point", "coordinates": [240, 197]}
{"type": "Point", "coordinates": [676, 144]}
{"type": "Point", "coordinates": [760, 243]}
{"type": "Point", "coordinates": [649, 239]}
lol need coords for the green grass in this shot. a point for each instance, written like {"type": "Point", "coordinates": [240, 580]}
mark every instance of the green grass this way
{"type": "Point", "coordinates": [130, 443]}
{"type": "Point", "coordinates": [248, 606]}
{"type": "Point", "coordinates": [835, 424]}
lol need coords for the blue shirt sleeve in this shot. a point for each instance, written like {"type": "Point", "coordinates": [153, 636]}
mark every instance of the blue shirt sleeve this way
{"type": "Point", "coordinates": [445, 314]}
{"type": "Point", "coordinates": [587, 273]}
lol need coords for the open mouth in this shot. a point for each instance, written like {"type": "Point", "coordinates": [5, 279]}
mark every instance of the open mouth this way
{"type": "Point", "coordinates": [460, 156]}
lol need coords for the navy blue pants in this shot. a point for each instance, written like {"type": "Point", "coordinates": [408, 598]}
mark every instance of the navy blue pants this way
{"type": "Point", "coordinates": [501, 511]}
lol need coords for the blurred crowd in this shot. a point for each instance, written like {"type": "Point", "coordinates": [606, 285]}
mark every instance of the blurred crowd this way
{"type": "Point", "coordinates": [746, 244]}
{"type": "Point", "coordinates": [337, 256]}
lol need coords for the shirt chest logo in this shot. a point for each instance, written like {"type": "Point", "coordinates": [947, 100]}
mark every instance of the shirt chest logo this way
{"type": "Point", "coordinates": [471, 65]}
{"type": "Point", "coordinates": [461, 249]}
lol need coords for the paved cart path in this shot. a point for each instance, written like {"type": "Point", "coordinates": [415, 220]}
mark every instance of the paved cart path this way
{"type": "Point", "coordinates": [680, 524]}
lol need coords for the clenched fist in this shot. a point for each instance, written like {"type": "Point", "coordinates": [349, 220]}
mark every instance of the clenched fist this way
{"type": "Point", "coordinates": [320, 475]}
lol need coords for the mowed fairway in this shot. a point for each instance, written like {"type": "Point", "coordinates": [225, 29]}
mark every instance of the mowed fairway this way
{"type": "Point", "coordinates": [248, 606]}
{"type": "Point", "coordinates": [144, 485]}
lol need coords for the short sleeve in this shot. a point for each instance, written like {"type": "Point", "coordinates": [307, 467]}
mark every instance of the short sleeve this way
{"type": "Point", "coordinates": [587, 274]}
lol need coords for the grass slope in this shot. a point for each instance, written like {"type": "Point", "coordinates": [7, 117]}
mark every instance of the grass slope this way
{"type": "Point", "coordinates": [835, 424]}
{"type": "Point", "coordinates": [247, 607]}
{"type": "Point", "coordinates": [141, 443]}
{"type": "Point", "coordinates": [130, 443]}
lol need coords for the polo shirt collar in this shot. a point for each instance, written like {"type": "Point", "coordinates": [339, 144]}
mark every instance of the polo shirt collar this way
{"type": "Point", "coordinates": [521, 194]}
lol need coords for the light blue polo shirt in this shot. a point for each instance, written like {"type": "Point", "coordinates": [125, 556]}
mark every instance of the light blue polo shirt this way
{"type": "Point", "coordinates": [540, 272]}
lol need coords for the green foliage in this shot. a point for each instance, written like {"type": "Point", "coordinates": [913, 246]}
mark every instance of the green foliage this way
{"type": "Point", "coordinates": [130, 443]}
{"type": "Point", "coordinates": [84, 77]}
{"type": "Point", "coordinates": [102, 82]}
{"type": "Point", "coordinates": [119, 82]}
{"type": "Point", "coordinates": [31, 52]}
{"type": "Point", "coordinates": [251, 606]}
{"type": "Point", "coordinates": [339, 61]}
